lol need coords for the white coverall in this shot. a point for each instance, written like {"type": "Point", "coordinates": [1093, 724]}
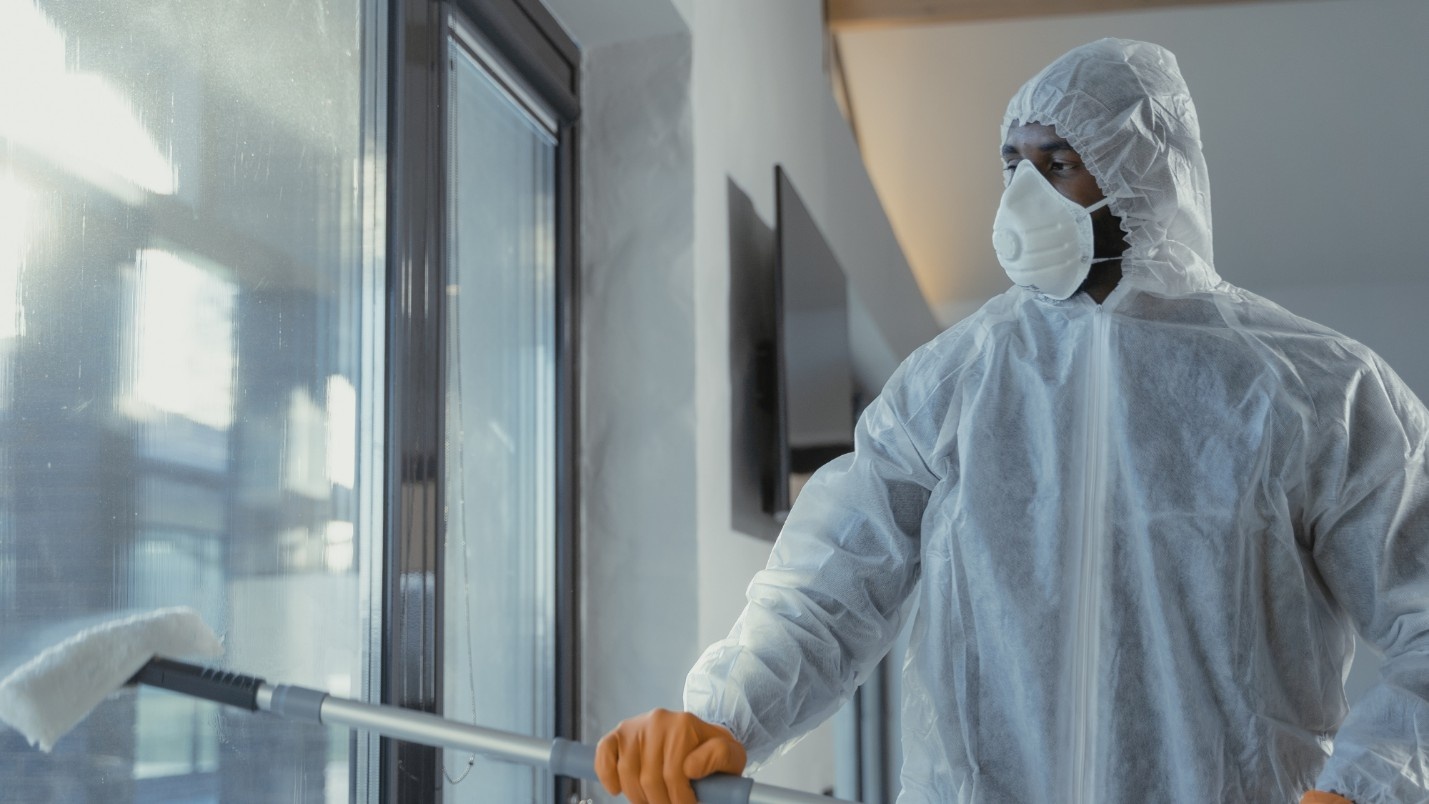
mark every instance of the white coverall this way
{"type": "Point", "coordinates": [1140, 534]}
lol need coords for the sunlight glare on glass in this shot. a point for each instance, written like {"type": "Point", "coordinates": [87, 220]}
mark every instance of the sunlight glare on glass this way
{"type": "Point", "coordinates": [337, 546]}
{"type": "Point", "coordinates": [341, 431]}
{"type": "Point", "coordinates": [183, 325]}
{"type": "Point", "coordinates": [305, 469]}
{"type": "Point", "coordinates": [77, 121]}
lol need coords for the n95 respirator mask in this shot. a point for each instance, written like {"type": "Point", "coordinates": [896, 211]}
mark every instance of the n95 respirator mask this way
{"type": "Point", "coordinates": [1043, 239]}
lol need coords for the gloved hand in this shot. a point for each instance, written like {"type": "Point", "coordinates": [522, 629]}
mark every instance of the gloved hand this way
{"type": "Point", "coordinates": [1321, 797]}
{"type": "Point", "coordinates": [652, 758]}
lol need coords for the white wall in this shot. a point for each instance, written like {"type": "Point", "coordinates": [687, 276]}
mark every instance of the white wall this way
{"type": "Point", "coordinates": [639, 453]}
{"type": "Point", "coordinates": [678, 102]}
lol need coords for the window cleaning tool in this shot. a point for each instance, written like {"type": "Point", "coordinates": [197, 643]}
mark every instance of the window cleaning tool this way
{"type": "Point", "coordinates": [48, 695]}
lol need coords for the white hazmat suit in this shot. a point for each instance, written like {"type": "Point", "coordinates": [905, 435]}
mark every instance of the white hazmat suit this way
{"type": "Point", "coordinates": [1141, 534]}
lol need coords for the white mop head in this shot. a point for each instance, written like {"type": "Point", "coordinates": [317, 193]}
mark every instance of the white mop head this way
{"type": "Point", "coordinates": [45, 697]}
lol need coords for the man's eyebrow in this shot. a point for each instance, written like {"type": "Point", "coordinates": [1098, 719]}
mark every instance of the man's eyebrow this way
{"type": "Point", "coordinates": [1046, 148]}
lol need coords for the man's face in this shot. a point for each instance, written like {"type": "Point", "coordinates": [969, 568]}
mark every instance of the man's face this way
{"type": "Point", "coordinates": [1062, 168]}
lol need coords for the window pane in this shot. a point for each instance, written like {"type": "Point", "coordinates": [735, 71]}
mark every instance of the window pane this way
{"type": "Point", "coordinates": [180, 296]}
{"type": "Point", "coordinates": [499, 610]}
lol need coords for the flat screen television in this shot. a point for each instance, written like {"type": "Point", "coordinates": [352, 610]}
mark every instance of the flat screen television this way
{"type": "Point", "coordinates": [814, 388]}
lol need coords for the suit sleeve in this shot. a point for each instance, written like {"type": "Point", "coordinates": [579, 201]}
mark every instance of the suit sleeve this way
{"type": "Point", "coordinates": [830, 603]}
{"type": "Point", "coordinates": [1371, 546]}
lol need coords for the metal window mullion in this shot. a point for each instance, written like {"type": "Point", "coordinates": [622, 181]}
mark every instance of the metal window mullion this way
{"type": "Point", "coordinates": [412, 654]}
{"type": "Point", "coordinates": [567, 598]}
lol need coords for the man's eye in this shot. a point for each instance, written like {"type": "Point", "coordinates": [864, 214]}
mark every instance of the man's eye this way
{"type": "Point", "coordinates": [1064, 166]}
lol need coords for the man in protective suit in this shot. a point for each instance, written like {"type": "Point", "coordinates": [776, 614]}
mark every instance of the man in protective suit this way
{"type": "Point", "coordinates": [1142, 513]}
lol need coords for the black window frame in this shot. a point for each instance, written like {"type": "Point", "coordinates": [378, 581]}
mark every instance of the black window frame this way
{"type": "Point", "coordinates": [527, 38]}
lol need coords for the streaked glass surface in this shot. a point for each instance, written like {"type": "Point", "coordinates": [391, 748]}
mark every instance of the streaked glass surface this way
{"type": "Point", "coordinates": [181, 237]}
{"type": "Point", "coordinates": [500, 496]}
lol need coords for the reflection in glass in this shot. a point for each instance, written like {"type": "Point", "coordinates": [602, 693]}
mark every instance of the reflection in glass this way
{"type": "Point", "coordinates": [180, 295]}
{"type": "Point", "coordinates": [183, 325]}
{"type": "Point", "coordinates": [76, 119]}
{"type": "Point", "coordinates": [500, 533]}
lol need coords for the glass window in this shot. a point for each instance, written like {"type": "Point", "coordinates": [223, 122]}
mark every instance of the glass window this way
{"type": "Point", "coordinates": [182, 301]}
{"type": "Point", "coordinates": [499, 609]}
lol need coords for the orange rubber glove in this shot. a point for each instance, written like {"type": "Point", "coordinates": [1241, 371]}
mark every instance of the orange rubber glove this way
{"type": "Point", "coordinates": [652, 758]}
{"type": "Point", "coordinates": [1321, 797]}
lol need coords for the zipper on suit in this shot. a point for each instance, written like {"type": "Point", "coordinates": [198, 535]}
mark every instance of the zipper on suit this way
{"type": "Point", "coordinates": [1084, 674]}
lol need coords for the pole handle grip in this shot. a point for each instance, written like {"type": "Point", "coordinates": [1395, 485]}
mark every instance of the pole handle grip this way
{"type": "Point", "coordinates": [577, 761]}
{"type": "Point", "coordinates": [208, 683]}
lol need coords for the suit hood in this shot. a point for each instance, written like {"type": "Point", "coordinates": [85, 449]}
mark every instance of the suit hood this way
{"type": "Point", "coordinates": [1124, 107]}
